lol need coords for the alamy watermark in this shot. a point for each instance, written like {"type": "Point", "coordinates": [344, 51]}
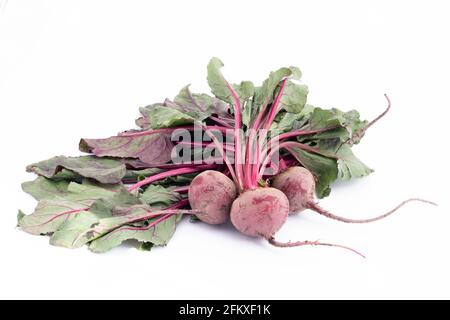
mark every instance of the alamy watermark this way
{"type": "Point", "coordinates": [214, 146]}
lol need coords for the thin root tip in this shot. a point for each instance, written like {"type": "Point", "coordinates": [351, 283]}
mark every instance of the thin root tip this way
{"type": "Point", "coordinates": [290, 244]}
{"type": "Point", "coordinates": [424, 201]}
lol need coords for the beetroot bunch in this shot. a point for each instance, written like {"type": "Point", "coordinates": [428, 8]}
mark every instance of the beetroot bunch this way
{"type": "Point", "coordinates": [251, 154]}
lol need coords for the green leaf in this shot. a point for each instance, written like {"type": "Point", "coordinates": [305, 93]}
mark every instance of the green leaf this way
{"type": "Point", "coordinates": [158, 235]}
{"type": "Point", "coordinates": [353, 123]}
{"type": "Point", "coordinates": [186, 100]}
{"type": "Point", "coordinates": [186, 108]}
{"type": "Point", "coordinates": [346, 123]}
{"type": "Point", "coordinates": [296, 74]}
{"type": "Point", "coordinates": [43, 188]}
{"type": "Point", "coordinates": [294, 97]}
{"type": "Point", "coordinates": [118, 204]}
{"type": "Point", "coordinates": [68, 233]}
{"type": "Point", "coordinates": [156, 195]}
{"type": "Point", "coordinates": [152, 149]}
{"type": "Point", "coordinates": [288, 121]}
{"type": "Point", "coordinates": [264, 94]}
{"type": "Point", "coordinates": [51, 213]}
{"type": "Point", "coordinates": [20, 215]}
{"type": "Point", "coordinates": [100, 169]}
{"type": "Point", "coordinates": [338, 128]}
{"type": "Point", "coordinates": [323, 168]}
{"type": "Point", "coordinates": [73, 233]}
{"type": "Point", "coordinates": [217, 82]}
{"type": "Point", "coordinates": [165, 117]}
{"type": "Point", "coordinates": [321, 118]}
{"type": "Point", "coordinates": [67, 175]}
{"type": "Point", "coordinates": [350, 119]}
{"type": "Point", "coordinates": [199, 106]}
{"type": "Point", "coordinates": [177, 180]}
{"type": "Point", "coordinates": [349, 165]}
{"type": "Point", "coordinates": [89, 191]}
{"type": "Point", "coordinates": [139, 175]}
{"type": "Point", "coordinates": [245, 90]}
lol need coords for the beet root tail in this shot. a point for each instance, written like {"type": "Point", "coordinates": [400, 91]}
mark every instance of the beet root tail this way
{"type": "Point", "coordinates": [290, 244]}
{"type": "Point", "coordinates": [315, 207]}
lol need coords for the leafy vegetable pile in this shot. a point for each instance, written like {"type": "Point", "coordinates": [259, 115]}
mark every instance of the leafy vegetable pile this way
{"type": "Point", "coordinates": [134, 185]}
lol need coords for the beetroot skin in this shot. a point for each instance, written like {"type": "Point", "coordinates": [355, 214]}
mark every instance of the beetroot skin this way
{"type": "Point", "coordinates": [212, 193]}
{"type": "Point", "coordinates": [260, 212]}
{"type": "Point", "coordinates": [298, 184]}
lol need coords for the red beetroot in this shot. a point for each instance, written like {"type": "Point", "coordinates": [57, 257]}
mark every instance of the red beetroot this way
{"type": "Point", "coordinates": [212, 192]}
{"type": "Point", "coordinates": [260, 212]}
{"type": "Point", "coordinates": [298, 184]}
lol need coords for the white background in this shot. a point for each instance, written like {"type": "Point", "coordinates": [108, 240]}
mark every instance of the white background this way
{"type": "Point", "coordinates": [71, 69]}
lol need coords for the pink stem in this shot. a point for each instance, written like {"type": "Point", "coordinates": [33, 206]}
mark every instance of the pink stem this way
{"type": "Point", "coordinates": [237, 136]}
{"type": "Point", "coordinates": [293, 144]}
{"type": "Point", "coordinates": [296, 133]}
{"type": "Point", "coordinates": [221, 122]}
{"type": "Point", "coordinates": [220, 148]}
{"type": "Point", "coordinates": [267, 123]}
{"type": "Point", "coordinates": [178, 205]}
{"type": "Point", "coordinates": [167, 174]}
{"type": "Point", "coordinates": [207, 145]}
{"type": "Point", "coordinates": [182, 189]}
{"type": "Point", "coordinates": [60, 215]}
{"type": "Point", "coordinates": [274, 109]}
{"type": "Point", "coordinates": [254, 173]}
{"type": "Point", "coordinates": [176, 165]}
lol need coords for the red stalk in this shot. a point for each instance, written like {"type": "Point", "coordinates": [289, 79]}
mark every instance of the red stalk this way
{"type": "Point", "coordinates": [237, 137]}
{"type": "Point", "coordinates": [175, 206]}
{"type": "Point", "coordinates": [175, 165]}
{"type": "Point", "coordinates": [207, 145]}
{"type": "Point", "coordinates": [182, 189]}
{"type": "Point", "coordinates": [274, 109]}
{"type": "Point", "coordinates": [221, 122]}
{"type": "Point", "coordinates": [167, 174]}
{"type": "Point", "coordinates": [250, 166]}
{"type": "Point", "coordinates": [299, 133]}
{"type": "Point", "coordinates": [60, 215]}
{"type": "Point", "coordinates": [220, 148]}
